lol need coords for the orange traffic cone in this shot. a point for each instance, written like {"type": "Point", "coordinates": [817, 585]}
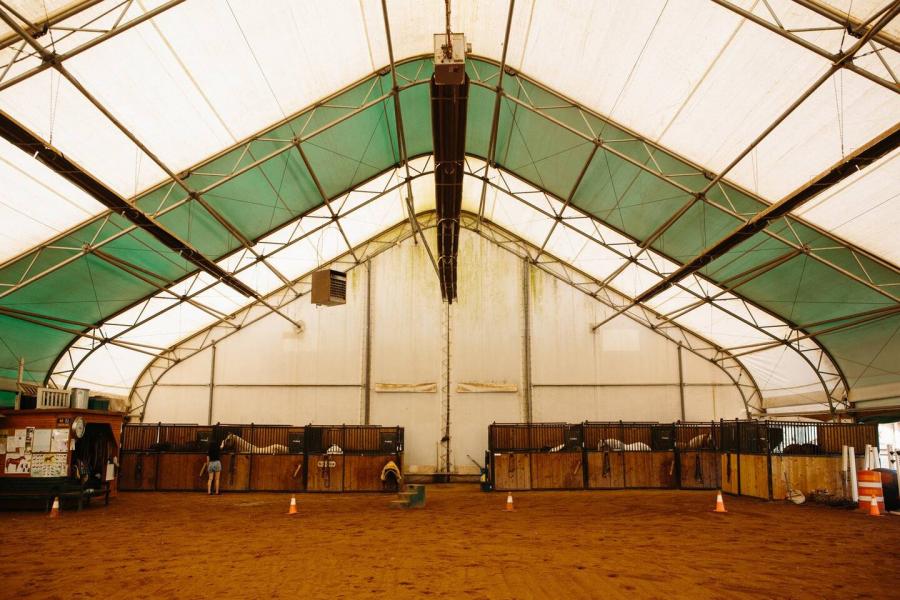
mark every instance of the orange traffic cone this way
{"type": "Point", "coordinates": [509, 503]}
{"type": "Point", "coordinates": [54, 511]}
{"type": "Point", "coordinates": [873, 508]}
{"type": "Point", "coordinates": [293, 509]}
{"type": "Point", "coordinates": [720, 504]}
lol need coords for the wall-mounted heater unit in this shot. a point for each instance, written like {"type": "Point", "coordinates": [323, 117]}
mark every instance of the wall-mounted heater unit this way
{"type": "Point", "coordinates": [329, 288]}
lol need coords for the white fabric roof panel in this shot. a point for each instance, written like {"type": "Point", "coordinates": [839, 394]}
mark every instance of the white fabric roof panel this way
{"type": "Point", "coordinates": [35, 203]}
{"type": "Point", "coordinates": [863, 209]}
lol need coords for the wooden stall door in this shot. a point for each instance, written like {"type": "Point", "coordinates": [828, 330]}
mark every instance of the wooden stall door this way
{"type": "Point", "coordinates": [362, 473]}
{"type": "Point", "coordinates": [755, 475]}
{"type": "Point", "coordinates": [606, 470]}
{"type": "Point", "coordinates": [557, 471]}
{"type": "Point", "coordinates": [235, 475]}
{"type": "Point", "coordinates": [729, 473]}
{"type": "Point", "coordinates": [180, 472]}
{"type": "Point", "coordinates": [325, 473]}
{"type": "Point", "coordinates": [700, 469]}
{"type": "Point", "coordinates": [137, 471]}
{"type": "Point", "coordinates": [512, 471]}
{"type": "Point", "coordinates": [276, 473]}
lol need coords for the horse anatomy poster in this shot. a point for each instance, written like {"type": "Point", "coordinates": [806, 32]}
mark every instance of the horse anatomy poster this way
{"type": "Point", "coordinates": [18, 463]}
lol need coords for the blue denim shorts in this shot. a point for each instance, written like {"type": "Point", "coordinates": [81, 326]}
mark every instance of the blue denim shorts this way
{"type": "Point", "coordinates": [215, 466]}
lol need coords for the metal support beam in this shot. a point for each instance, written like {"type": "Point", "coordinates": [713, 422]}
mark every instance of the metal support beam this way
{"type": "Point", "coordinates": [736, 373]}
{"type": "Point", "coordinates": [854, 27]}
{"type": "Point", "coordinates": [367, 375]}
{"type": "Point", "coordinates": [401, 141]}
{"type": "Point", "coordinates": [790, 35]}
{"type": "Point", "coordinates": [527, 396]}
{"type": "Point", "coordinates": [212, 382]}
{"type": "Point", "coordinates": [495, 119]}
{"type": "Point", "coordinates": [53, 159]}
{"type": "Point", "coordinates": [660, 321]}
{"type": "Point", "coordinates": [858, 160]}
{"type": "Point", "coordinates": [199, 291]}
{"type": "Point", "coordinates": [681, 383]}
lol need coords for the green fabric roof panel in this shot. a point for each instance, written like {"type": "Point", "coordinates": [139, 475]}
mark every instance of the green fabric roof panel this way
{"type": "Point", "coordinates": [543, 138]}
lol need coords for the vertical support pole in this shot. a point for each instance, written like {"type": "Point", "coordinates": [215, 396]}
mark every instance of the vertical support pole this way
{"type": "Point", "coordinates": [446, 436]}
{"type": "Point", "coordinates": [526, 343]}
{"type": "Point", "coordinates": [250, 459]}
{"type": "Point", "coordinates": [367, 398]}
{"type": "Point", "coordinates": [681, 381]}
{"type": "Point", "coordinates": [19, 379]}
{"type": "Point", "coordinates": [212, 382]}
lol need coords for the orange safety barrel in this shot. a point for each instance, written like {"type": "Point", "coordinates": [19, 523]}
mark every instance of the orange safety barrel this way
{"type": "Point", "coordinates": [870, 485]}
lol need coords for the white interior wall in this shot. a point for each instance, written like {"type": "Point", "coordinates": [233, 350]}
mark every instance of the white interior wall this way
{"type": "Point", "coordinates": [269, 373]}
{"type": "Point", "coordinates": [487, 346]}
{"type": "Point", "coordinates": [406, 349]}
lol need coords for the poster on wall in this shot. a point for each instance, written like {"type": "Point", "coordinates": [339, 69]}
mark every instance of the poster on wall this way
{"type": "Point", "coordinates": [41, 441]}
{"type": "Point", "coordinates": [29, 439]}
{"type": "Point", "coordinates": [48, 465]}
{"type": "Point", "coordinates": [59, 441]}
{"type": "Point", "coordinates": [15, 443]}
{"type": "Point", "coordinates": [17, 463]}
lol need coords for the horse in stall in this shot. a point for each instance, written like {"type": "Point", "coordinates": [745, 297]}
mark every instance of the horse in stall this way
{"type": "Point", "coordinates": [617, 445]}
{"type": "Point", "coordinates": [235, 443]}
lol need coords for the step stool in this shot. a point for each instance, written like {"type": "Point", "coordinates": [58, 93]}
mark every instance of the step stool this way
{"type": "Point", "coordinates": [412, 496]}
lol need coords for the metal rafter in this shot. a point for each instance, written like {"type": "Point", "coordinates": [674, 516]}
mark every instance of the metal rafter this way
{"type": "Point", "coordinates": [779, 29]}
{"type": "Point", "coordinates": [54, 160]}
{"type": "Point", "coordinates": [848, 166]}
{"type": "Point", "coordinates": [819, 354]}
{"type": "Point", "coordinates": [52, 59]}
{"type": "Point", "coordinates": [142, 319]}
{"type": "Point", "coordinates": [853, 26]}
{"type": "Point", "coordinates": [288, 145]}
{"type": "Point", "coordinates": [495, 118]}
{"type": "Point", "coordinates": [707, 350]}
{"type": "Point", "coordinates": [570, 275]}
{"type": "Point", "coordinates": [671, 178]}
{"type": "Point", "coordinates": [116, 29]}
{"type": "Point", "coordinates": [609, 147]}
{"type": "Point", "coordinates": [401, 140]}
{"type": "Point", "coordinates": [248, 315]}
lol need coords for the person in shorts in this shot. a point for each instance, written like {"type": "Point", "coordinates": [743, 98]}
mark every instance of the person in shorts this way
{"type": "Point", "coordinates": [213, 464]}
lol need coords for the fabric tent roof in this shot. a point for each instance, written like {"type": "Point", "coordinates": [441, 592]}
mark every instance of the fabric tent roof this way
{"type": "Point", "coordinates": [654, 148]}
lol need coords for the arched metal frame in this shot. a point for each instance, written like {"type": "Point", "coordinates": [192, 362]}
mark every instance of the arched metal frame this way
{"type": "Point", "coordinates": [196, 343]}
{"type": "Point", "coordinates": [818, 357]}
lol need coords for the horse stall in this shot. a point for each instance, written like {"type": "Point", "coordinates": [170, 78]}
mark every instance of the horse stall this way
{"type": "Point", "coordinates": [767, 459]}
{"type": "Point", "coordinates": [351, 458]}
{"type": "Point", "coordinates": [536, 456]}
{"type": "Point", "coordinates": [66, 452]}
{"type": "Point", "coordinates": [509, 456]}
{"type": "Point", "coordinates": [629, 455]}
{"type": "Point", "coordinates": [697, 449]}
{"type": "Point", "coordinates": [172, 457]}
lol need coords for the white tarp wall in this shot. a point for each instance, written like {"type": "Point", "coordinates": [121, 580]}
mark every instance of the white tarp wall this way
{"type": "Point", "coordinates": [270, 373]}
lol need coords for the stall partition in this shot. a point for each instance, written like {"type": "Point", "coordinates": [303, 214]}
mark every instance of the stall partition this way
{"type": "Point", "coordinates": [762, 459]}
{"type": "Point", "coordinates": [335, 458]}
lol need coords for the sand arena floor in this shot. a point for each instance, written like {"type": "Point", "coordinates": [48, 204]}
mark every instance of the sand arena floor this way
{"type": "Point", "coordinates": [641, 544]}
